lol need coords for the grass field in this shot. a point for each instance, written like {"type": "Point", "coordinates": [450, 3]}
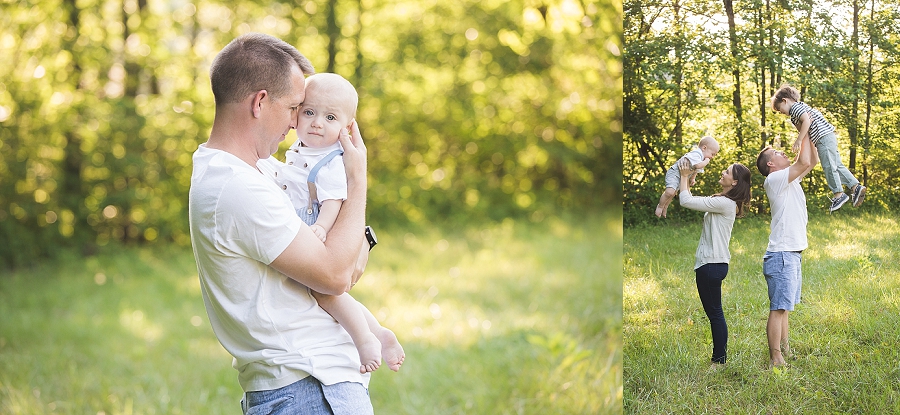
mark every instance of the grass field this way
{"type": "Point", "coordinates": [515, 318]}
{"type": "Point", "coordinates": [844, 333]}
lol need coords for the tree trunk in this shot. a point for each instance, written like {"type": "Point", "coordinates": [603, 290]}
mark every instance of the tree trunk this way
{"type": "Point", "coordinates": [677, 130]}
{"type": "Point", "coordinates": [334, 33]}
{"type": "Point", "coordinates": [770, 61]}
{"type": "Point", "coordinates": [134, 70]}
{"type": "Point", "coordinates": [358, 74]}
{"type": "Point", "coordinates": [72, 193]}
{"type": "Point", "coordinates": [735, 73]}
{"type": "Point", "coordinates": [869, 71]}
{"type": "Point", "coordinates": [853, 124]}
{"type": "Point", "coordinates": [761, 82]}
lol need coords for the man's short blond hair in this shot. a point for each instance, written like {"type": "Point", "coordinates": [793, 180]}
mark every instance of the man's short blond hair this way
{"type": "Point", "coordinates": [255, 62]}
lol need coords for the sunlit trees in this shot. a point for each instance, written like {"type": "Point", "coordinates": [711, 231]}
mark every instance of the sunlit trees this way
{"type": "Point", "coordinates": [841, 54]}
{"type": "Point", "coordinates": [471, 109]}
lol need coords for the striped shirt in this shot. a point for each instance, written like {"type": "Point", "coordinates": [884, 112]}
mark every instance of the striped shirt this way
{"type": "Point", "coordinates": [818, 127]}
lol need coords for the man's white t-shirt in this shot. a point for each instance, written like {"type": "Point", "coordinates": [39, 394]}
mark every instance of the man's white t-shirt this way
{"type": "Point", "coordinates": [240, 222]}
{"type": "Point", "coordinates": [789, 216]}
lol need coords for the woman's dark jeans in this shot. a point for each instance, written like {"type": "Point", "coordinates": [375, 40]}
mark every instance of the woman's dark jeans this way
{"type": "Point", "coordinates": [709, 286]}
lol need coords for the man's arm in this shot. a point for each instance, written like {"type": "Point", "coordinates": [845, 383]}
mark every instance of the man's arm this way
{"type": "Point", "coordinates": [814, 158]}
{"type": "Point", "coordinates": [333, 267]}
{"type": "Point", "coordinates": [803, 163]}
{"type": "Point", "coordinates": [802, 130]}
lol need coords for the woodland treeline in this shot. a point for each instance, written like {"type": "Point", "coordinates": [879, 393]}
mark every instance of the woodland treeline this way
{"type": "Point", "coordinates": [710, 67]}
{"type": "Point", "coordinates": [471, 109]}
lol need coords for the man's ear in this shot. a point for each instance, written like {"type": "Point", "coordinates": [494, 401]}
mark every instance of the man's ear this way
{"type": "Point", "coordinates": [256, 106]}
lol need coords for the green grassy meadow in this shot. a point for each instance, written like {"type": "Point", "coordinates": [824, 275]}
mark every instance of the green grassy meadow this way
{"type": "Point", "coordinates": [511, 318]}
{"type": "Point", "coordinates": [844, 333]}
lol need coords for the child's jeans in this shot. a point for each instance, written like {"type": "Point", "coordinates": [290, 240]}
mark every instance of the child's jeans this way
{"type": "Point", "coordinates": [836, 174]}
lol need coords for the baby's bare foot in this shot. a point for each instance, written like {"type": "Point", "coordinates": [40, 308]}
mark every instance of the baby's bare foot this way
{"type": "Point", "coordinates": [391, 350]}
{"type": "Point", "coordinates": [369, 353]}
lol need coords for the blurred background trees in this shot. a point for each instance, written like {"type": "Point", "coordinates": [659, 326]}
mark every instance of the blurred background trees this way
{"type": "Point", "coordinates": [697, 67]}
{"type": "Point", "coordinates": [471, 109]}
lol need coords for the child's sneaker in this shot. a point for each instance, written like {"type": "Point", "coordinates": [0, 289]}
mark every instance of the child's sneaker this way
{"type": "Point", "coordinates": [837, 202]}
{"type": "Point", "coordinates": [859, 193]}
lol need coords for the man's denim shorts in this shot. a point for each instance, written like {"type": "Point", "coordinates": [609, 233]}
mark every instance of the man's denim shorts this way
{"type": "Point", "coordinates": [308, 396]}
{"type": "Point", "coordinates": [784, 278]}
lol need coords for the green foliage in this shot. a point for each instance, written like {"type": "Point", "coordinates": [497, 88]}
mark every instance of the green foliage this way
{"type": "Point", "coordinates": [842, 333]}
{"type": "Point", "coordinates": [679, 85]}
{"type": "Point", "coordinates": [513, 318]}
{"type": "Point", "coordinates": [476, 108]}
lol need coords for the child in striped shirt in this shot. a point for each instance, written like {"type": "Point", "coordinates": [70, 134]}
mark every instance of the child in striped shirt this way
{"type": "Point", "coordinates": [810, 121]}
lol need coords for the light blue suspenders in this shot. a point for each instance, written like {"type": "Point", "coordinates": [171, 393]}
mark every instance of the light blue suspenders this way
{"type": "Point", "coordinates": [311, 213]}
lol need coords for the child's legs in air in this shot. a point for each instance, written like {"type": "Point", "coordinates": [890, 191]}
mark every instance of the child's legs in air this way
{"type": "Point", "coordinates": [349, 313]}
{"type": "Point", "coordinates": [664, 200]}
{"type": "Point", "coordinates": [673, 180]}
{"type": "Point", "coordinates": [836, 174]}
{"type": "Point", "coordinates": [391, 350]}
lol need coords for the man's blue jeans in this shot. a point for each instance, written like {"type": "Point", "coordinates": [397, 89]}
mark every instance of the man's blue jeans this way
{"type": "Point", "coordinates": [308, 396]}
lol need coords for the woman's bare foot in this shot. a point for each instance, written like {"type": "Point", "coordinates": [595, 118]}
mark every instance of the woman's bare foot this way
{"type": "Point", "coordinates": [391, 350]}
{"type": "Point", "coordinates": [369, 353]}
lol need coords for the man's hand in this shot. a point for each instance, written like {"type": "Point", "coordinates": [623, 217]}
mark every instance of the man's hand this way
{"type": "Point", "coordinates": [360, 264]}
{"type": "Point", "coordinates": [355, 161]}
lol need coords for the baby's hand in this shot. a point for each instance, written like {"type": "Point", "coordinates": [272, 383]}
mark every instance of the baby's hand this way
{"type": "Point", "coordinates": [796, 147]}
{"type": "Point", "coordinates": [319, 231]}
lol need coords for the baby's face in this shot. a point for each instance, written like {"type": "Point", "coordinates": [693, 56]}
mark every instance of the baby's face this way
{"type": "Point", "coordinates": [710, 151]}
{"type": "Point", "coordinates": [320, 120]}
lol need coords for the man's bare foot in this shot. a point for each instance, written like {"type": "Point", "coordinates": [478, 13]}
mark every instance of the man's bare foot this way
{"type": "Point", "coordinates": [786, 351]}
{"type": "Point", "coordinates": [369, 354]}
{"type": "Point", "coordinates": [391, 350]}
{"type": "Point", "coordinates": [776, 359]}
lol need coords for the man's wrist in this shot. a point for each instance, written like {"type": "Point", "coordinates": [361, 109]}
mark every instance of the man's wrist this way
{"type": "Point", "coordinates": [357, 185]}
